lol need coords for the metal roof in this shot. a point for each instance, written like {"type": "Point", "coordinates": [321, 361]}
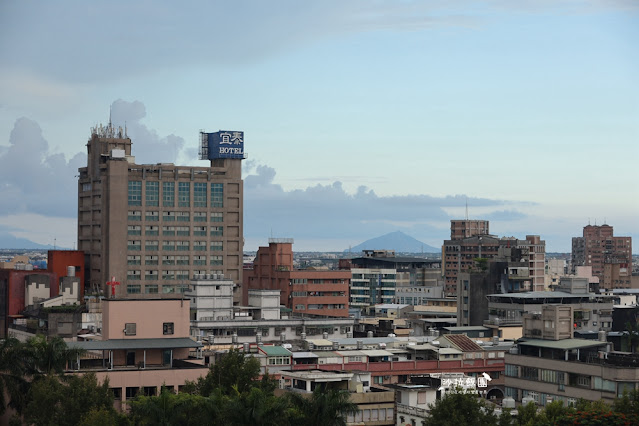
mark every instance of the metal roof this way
{"type": "Point", "coordinates": [304, 355]}
{"type": "Point", "coordinates": [274, 350]}
{"type": "Point", "coordinates": [377, 352]}
{"type": "Point", "coordinates": [467, 328]}
{"type": "Point", "coordinates": [565, 344]}
{"type": "Point", "coordinates": [114, 344]}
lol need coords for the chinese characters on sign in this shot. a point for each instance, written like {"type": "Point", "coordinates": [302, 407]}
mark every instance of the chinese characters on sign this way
{"type": "Point", "coordinates": [225, 144]}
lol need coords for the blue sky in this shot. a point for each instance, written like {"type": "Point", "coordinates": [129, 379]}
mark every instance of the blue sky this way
{"type": "Point", "coordinates": [361, 117]}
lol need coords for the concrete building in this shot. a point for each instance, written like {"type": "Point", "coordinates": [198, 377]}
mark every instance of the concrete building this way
{"type": "Point", "coordinates": [22, 286]}
{"type": "Point", "coordinates": [145, 345]}
{"type": "Point", "coordinates": [566, 369]}
{"type": "Point", "coordinates": [151, 227]}
{"type": "Point", "coordinates": [591, 312]}
{"type": "Point", "coordinates": [512, 270]}
{"type": "Point", "coordinates": [376, 405]}
{"type": "Point", "coordinates": [379, 275]}
{"type": "Point", "coordinates": [459, 256]}
{"type": "Point", "coordinates": [306, 291]}
{"type": "Point", "coordinates": [610, 257]}
{"type": "Point", "coordinates": [466, 228]}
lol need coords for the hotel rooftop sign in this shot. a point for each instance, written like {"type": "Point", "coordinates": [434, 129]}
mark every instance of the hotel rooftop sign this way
{"type": "Point", "coordinates": [222, 144]}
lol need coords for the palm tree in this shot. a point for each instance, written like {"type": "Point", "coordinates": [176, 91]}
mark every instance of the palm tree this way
{"type": "Point", "coordinates": [51, 356]}
{"type": "Point", "coordinates": [13, 375]}
{"type": "Point", "coordinates": [324, 407]}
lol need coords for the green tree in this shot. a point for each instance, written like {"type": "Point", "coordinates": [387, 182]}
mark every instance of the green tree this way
{"type": "Point", "coordinates": [53, 401]}
{"type": "Point", "coordinates": [527, 414]}
{"type": "Point", "coordinates": [14, 382]}
{"type": "Point", "coordinates": [178, 409]}
{"type": "Point", "coordinates": [50, 356]}
{"type": "Point", "coordinates": [257, 407]}
{"type": "Point", "coordinates": [232, 372]}
{"type": "Point", "coordinates": [458, 408]}
{"type": "Point", "coordinates": [322, 407]}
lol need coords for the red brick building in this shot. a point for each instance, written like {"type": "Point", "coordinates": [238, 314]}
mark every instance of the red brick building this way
{"type": "Point", "coordinates": [13, 283]}
{"type": "Point", "coordinates": [309, 291]}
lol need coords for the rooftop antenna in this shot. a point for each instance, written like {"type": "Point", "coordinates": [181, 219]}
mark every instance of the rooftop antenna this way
{"type": "Point", "coordinates": [466, 208]}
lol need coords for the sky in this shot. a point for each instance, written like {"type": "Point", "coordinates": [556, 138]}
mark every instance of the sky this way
{"type": "Point", "coordinates": [360, 117]}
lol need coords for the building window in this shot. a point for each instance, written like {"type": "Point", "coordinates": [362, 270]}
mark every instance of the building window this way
{"type": "Point", "coordinates": [151, 260]}
{"type": "Point", "coordinates": [151, 230]}
{"type": "Point", "coordinates": [199, 260]}
{"type": "Point", "coordinates": [135, 215]}
{"type": "Point", "coordinates": [151, 275]}
{"type": "Point", "coordinates": [199, 194]}
{"type": "Point", "coordinates": [167, 328]}
{"type": "Point", "coordinates": [132, 275]}
{"type": "Point", "coordinates": [199, 217]}
{"type": "Point", "coordinates": [182, 245]}
{"type": "Point", "coordinates": [217, 246]}
{"type": "Point", "coordinates": [168, 231]}
{"type": "Point", "coordinates": [217, 231]}
{"type": "Point", "coordinates": [152, 194]}
{"type": "Point", "coordinates": [168, 245]}
{"type": "Point", "coordinates": [131, 392]}
{"type": "Point", "coordinates": [199, 231]}
{"type": "Point", "coordinates": [151, 245]}
{"type": "Point", "coordinates": [168, 194]}
{"type": "Point", "coordinates": [184, 194]}
{"type": "Point", "coordinates": [183, 217]}
{"type": "Point", "coordinates": [199, 245]}
{"type": "Point", "coordinates": [135, 193]}
{"type": "Point", "coordinates": [182, 260]}
{"type": "Point", "coordinates": [183, 231]}
{"type": "Point", "coordinates": [133, 260]}
{"type": "Point", "coordinates": [168, 275]}
{"type": "Point", "coordinates": [217, 195]}
{"type": "Point", "coordinates": [133, 245]}
{"type": "Point", "coordinates": [217, 217]}
{"type": "Point", "coordinates": [182, 275]}
{"type": "Point", "coordinates": [152, 216]}
{"type": "Point", "coordinates": [168, 289]}
{"type": "Point", "coordinates": [168, 260]}
{"type": "Point", "coordinates": [168, 216]}
{"type": "Point", "coordinates": [151, 289]}
{"type": "Point", "coordinates": [133, 288]}
{"type": "Point", "coordinates": [216, 260]}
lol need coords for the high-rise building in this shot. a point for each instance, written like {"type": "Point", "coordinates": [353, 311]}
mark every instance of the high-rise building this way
{"type": "Point", "coordinates": [467, 228]}
{"type": "Point", "coordinates": [146, 229]}
{"type": "Point", "coordinates": [610, 257]}
{"type": "Point", "coordinates": [306, 291]}
{"type": "Point", "coordinates": [459, 255]}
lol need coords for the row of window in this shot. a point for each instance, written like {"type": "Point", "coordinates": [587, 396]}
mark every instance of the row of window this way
{"type": "Point", "coordinates": [155, 288]}
{"type": "Point", "coordinates": [174, 260]}
{"type": "Point", "coordinates": [130, 328]}
{"type": "Point", "coordinates": [182, 231]}
{"type": "Point", "coordinates": [171, 216]}
{"type": "Point", "coordinates": [154, 245]}
{"type": "Point", "coordinates": [152, 194]}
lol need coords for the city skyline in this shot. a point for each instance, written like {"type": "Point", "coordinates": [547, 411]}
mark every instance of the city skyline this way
{"type": "Point", "coordinates": [360, 118]}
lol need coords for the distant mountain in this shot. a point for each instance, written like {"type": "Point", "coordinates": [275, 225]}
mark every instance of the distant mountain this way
{"type": "Point", "coordinates": [397, 241]}
{"type": "Point", "coordinates": [8, 241]}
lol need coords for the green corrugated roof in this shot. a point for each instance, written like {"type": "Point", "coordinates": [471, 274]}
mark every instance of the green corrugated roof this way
{"type": "Point", "coordinates": [113, 344]}
{"type": "Point", "coordinates": [275, 351]}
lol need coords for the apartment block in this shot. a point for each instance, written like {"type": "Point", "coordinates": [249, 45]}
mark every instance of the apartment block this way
{"type": "Point", "coordinates": [146, 229]}
{"type": "Point", "coordinates": [610, 257]}
{"type": "Point", "coordinates": [308, 291]}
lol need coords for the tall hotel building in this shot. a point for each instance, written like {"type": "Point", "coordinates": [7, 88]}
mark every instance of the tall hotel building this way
{"type": "Point", "coordinates": [152, 227]}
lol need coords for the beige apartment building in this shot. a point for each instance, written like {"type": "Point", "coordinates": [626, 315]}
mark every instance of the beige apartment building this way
{"type": "Point", "coordinates": [151, 227]}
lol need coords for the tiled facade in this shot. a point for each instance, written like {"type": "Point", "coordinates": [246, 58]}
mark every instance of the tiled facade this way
{"type": "Point", "coordinates": [154, 226]}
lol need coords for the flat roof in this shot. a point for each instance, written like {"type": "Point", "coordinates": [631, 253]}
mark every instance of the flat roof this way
{"type": "Point", "coordinates": [366, 340]}
{"type": "Point", "coordinates": [114, 344]}
{"type": "Point", "coordinates": [320, 342]}
{"type": "Point", "coordinates": [467, 328]}
{"type": "Point", "coordinates": [304, 355]}
{"type": "Point", "coordinates": [377, 352]}
{"type": "Point", "coordinates": [391, 306]}
{"type": "Point", "coordinates": [546, 294]}
{"type": "Point", "coordinates": [565, 344]}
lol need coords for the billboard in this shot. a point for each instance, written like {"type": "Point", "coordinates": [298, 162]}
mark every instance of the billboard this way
{"type": "Point", "coordinates": [223, 144]}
